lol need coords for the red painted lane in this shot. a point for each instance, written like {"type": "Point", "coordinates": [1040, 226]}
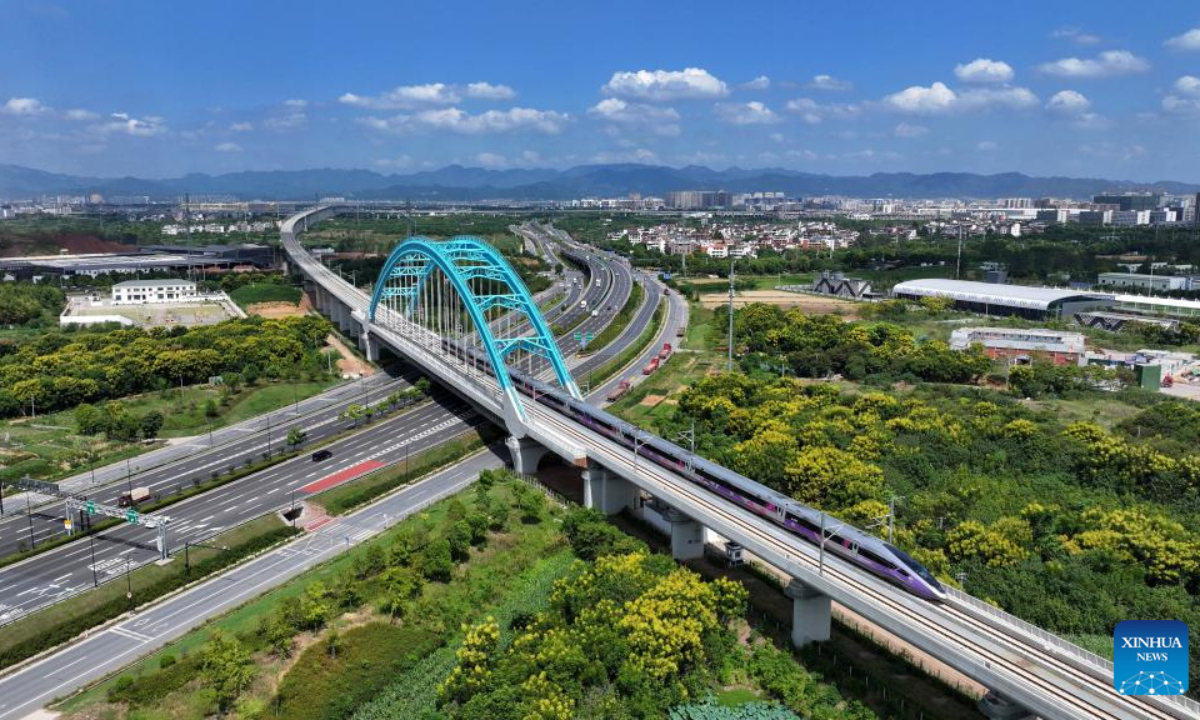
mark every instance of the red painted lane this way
{"type": "Point", "coordinates": [341, 476]}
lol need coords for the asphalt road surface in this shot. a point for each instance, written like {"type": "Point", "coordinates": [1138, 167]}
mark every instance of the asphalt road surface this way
{"type": "Point", "coordinates": [108, 650]}
{"type": "Point", "coordinates": [174, 468]}
{"type": "Point", "coordinates": [78, 566]}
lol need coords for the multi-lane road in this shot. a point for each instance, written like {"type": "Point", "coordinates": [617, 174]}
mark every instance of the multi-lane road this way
{"type": "Point", "coordinates": [101, 653]}
{"type": "Point", "coordinates": [173, 468]}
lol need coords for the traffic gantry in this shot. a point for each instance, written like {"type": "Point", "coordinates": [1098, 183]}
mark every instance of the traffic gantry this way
{"type": "Point", "coordinates": [131, 515]}
{"type": "Point", "coordinates": [810, 614]}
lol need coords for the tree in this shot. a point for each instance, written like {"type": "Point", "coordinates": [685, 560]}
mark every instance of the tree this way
{"type": "Point", "coordinates": [296, 436]}
{"type": "Point", "coordinates": [89, 420]}
{"type": "Point", "coordinates": [436, 563]}
{"type": "Point", "coordinates": [832, 479]}
{"type": "Point", "coordinates": [211, 409]}
{"type": "Point", "coordinates": [226, 668]}
{"type": "Point", "coordinates": [314, 606]}
{"type": "Point", "coordinates": [400, 585]}
{"type": "Point", "coordinates": [151, 423]}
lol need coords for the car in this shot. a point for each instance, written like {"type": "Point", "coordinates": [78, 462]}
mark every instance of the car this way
{"type": "Point", "coordinates": [320, 455]}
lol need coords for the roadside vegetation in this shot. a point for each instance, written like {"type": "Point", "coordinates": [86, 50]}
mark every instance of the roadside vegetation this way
{"type": "Point", "coordinates": [618, 322]}
{"type": "Point", "coordinates": [493, 604]}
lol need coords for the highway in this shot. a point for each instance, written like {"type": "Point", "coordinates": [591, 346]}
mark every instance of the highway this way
{"type": "Point", "coordinates": [173, 468]}
{"type": "Point", "coordinates": [75, 567]}
{"type": "Point", "coordinates": [108, 650]}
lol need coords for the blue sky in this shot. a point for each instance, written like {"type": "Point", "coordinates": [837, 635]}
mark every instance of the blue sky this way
{"type": "Point", "coordinates": [157, 89]}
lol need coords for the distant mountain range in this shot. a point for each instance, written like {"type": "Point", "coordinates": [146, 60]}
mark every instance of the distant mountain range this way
{"type": "Point", "coordinates": [458, 183]}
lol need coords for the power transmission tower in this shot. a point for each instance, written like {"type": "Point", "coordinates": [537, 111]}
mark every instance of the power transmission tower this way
{"type": "Point", "coordinates": [729, 362]}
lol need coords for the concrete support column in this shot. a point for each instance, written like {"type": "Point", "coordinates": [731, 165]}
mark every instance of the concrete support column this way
{"type": "Point", "coordinates": [687, 536]}
{"type": "Point", "coordinates": [369, 347]}
{"type": "Point", "coordinates": [605, 491]}
{"type": "Point", "coordinates": [810, 614]}
{"type": "Point", "coordinates": [525, 454]}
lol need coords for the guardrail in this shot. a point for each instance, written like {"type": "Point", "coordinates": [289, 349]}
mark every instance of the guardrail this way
{"type": "Point", "coordinates": [1052, 642]}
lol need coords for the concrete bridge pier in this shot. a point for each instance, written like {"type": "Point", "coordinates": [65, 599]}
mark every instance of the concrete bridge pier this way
{"type": "Point", "coordinates": [525, 453]}
{"type": "Point", "coordinates": [605, 491]}
{"type": "Point", "coordinates": [687, 536]}
{"type": "Point", "coordinates": [369, 346]}
{"type": "Point", "coordinates": [810, 614]}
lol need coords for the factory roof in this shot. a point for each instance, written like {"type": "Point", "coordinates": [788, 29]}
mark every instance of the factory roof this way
{"type": "Point", "coordinates": [1023, 296]}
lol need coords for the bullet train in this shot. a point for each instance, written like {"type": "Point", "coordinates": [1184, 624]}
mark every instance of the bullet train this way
{"type": "Point", "coordinates": [859, 548]}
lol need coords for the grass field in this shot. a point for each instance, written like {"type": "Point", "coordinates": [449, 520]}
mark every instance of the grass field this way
{"type": "Point", "coordinates": [253, 293]}
{"type": "Point", "coordinates": [50, 449]}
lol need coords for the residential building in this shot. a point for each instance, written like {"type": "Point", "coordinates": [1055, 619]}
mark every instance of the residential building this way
{"type": "Point", "coordinates": [1129, 201]}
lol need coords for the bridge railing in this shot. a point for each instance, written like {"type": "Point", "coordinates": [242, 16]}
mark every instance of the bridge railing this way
{"type": "Point", "coordinates": [1053, 642]}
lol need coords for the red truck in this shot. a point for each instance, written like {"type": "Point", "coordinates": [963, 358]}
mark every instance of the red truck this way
{"type": "Point", "coordinates": [651, 366]}
{"type": "Point", "coordinates": [621, 388]}
{"type": "Point", "coordinates": [666, 350]}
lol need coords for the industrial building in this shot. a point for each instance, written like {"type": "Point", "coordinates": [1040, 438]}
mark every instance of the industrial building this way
{"type": "Point", "coordinates": [1034, 303]}
{"type": "Point", "coordinates": [837, 284]}
{"type": "Point", "coordinates": [153, 291]}
{"type": "Point", "coordinates": [1023, 344]}
{"type": "Point", "coordinates": [1143, 281]}
{"type": "Point", "coordinates": [181, 259]}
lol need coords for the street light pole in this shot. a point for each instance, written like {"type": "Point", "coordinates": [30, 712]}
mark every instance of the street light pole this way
{"type": "Point", "coordinates": [92, 548]}
{"type": "Point", "coordinates": [729, 362]}
{"type": "Point", "coordinates": [29, 517]}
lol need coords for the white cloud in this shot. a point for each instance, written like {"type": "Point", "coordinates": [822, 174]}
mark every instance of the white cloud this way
{"type": "Point", "coordinates": [937, 99]}
{"type": "Point", "coordinates": [491, 160]}
{"type": "Point", "coordinates": [1076, 36]}
{"type": "Point", "coordinates": [984, 70]}
{"type": "Point", "coordinates": [406, 97]}
{"type": "Point", "coordinates": [827, 82]}
{"type": "Point", "coordinates": [287, 121]}
{"type": "Point", "coordinates": [1188, 85]}
{"type": "Point", "coordinates": [636, 155]}
{"type": "Point", "coordinates": [241, 127]}
{"type": "Point", "coordinates": [1190, 40]}
{"type": "Point", "coordinates": [909, 130]}
{"type": "Point", "coordinates": [662, 85]}
{"type": "Point", "coordinates": [123, 124]}
{"type": "Point", "coordinates": [660, 120]}
{"type": "Point", "coordinates": [23, 106]}
{"type": "Point", "coordinates": [228, 147]}
{"type": "Point", "coordinates": [294, 103]}
{"type": "Point", "coordinates": [1185, 100]}
{"type": "Point", "coordinates": [1068, 102]}
{"type": "Point", "coordinates": [813, 112]}
{"type": "Point", "coordinates": [397, 163]}
{"type": "Point", "coordinates": [81, 114]}
{"type": "Point", "coordinates": [1107, 64]}
{"type": "Point", "coordinates": [762, 82]}
{"type": "Point", "coordinates": [918, 100]}
{"type": "Point", "coordinates": [986, 146]}
{"type": "Point", "coordinates": [546, 122]}
{"type": "Point", "coordinates": [751, 113]}
{"type": "Point", "coordinates": [488, 91]}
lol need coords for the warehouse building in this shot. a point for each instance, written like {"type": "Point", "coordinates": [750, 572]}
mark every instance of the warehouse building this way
{"type": "Point", "coordinates": [1023, 344]}
{"type": "Point", "coordinates": [1033, 303]}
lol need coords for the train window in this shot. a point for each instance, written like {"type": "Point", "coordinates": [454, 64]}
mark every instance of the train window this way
{"type": "Point", "coordinates": [876, 559]}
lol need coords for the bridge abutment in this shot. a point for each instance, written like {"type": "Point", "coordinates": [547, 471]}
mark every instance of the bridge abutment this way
{"type": "Point", "coordinates": [687, 536]}
{"type": "Point", "coordinates": [605, 491]}
{"type": "Point", "coordinates": [525, 453]}
{"type": "Point", "coordinates": [810, 614]}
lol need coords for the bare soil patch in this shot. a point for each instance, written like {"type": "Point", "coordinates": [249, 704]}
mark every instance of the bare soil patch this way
{"type": "Point", "coordinates": [810, 304]}
{"type": "Point", "coordinates": [275, 310]}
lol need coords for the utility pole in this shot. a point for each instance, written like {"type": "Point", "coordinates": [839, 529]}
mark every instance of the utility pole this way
{"type": "Point", "coordinates": [729, 361]}
{"type": "Point", "coordinates": [958, 262]}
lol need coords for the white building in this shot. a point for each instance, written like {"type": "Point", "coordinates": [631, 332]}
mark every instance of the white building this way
{"type": "Point", "coordinates": [153, 291]}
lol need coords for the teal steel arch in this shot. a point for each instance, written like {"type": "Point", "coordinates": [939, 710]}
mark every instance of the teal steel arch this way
{"type": "Point", "coordinates": [462, 259]}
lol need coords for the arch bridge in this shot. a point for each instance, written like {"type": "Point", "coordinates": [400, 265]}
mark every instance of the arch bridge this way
{"type": "Point", "coordinates": [462, 299]}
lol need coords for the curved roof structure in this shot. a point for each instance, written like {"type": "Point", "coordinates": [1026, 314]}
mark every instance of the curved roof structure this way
{"type": "Point", "coordinates": [1022, 296]}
